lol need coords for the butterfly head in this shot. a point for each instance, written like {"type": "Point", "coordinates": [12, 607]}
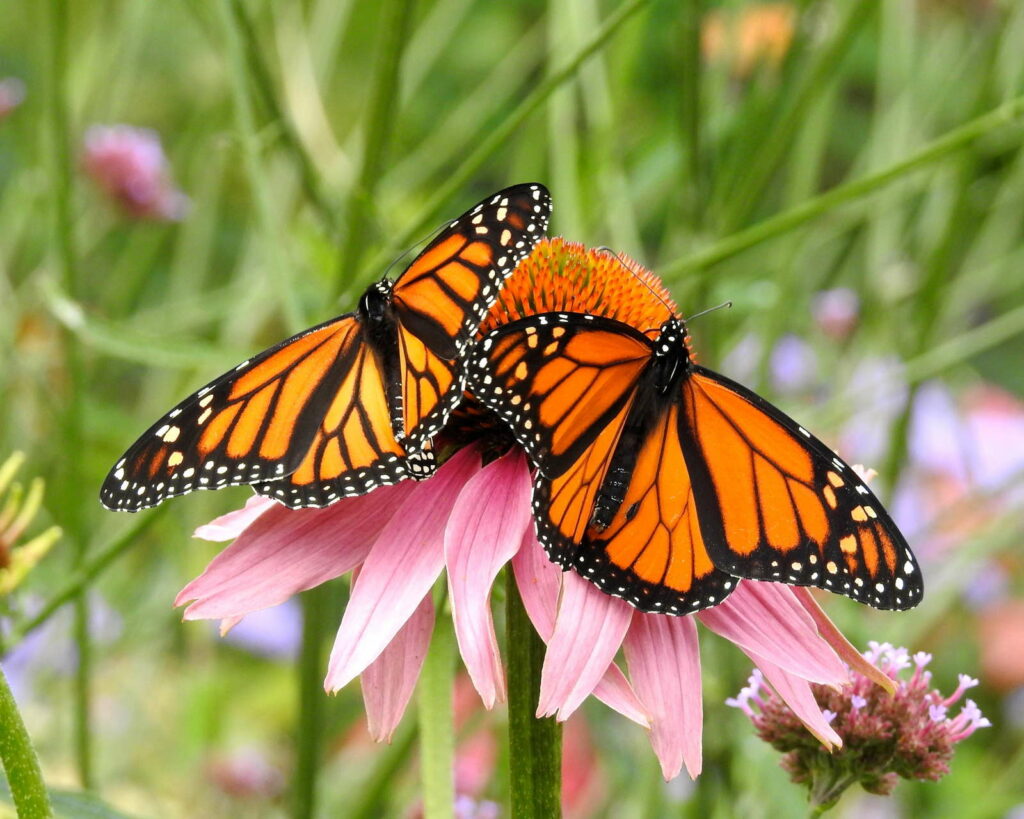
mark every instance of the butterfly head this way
{"type": "Point", "coordinates": [376, 300]}
{"type": "Point", "coordinates": [671, 354]}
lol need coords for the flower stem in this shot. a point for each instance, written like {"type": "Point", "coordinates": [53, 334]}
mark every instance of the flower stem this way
{"type": "Point", "coordinates": [20, 761]}
{"type": "Point", "coordinates": [315, 605]}
{"type": "Point", "coordinates": [436, 719]}
{"type": "Point", "coordinates": [64, 247]}
{"type": "Point", "coordinates": [535, 745]}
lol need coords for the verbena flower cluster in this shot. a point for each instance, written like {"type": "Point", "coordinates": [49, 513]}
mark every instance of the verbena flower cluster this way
{"type": "Point", "coordinates": [908, 733]}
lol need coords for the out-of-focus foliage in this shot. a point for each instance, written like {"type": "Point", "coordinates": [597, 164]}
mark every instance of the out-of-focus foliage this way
{"type": "Point", "coordinates": [307, 172]}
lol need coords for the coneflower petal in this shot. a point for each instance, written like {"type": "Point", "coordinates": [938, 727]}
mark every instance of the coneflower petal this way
{"type": "Point", "coordinates": [797, 693]}
{"type": "Point", "coordinates": [588, 632]}
{"type": "Point", "coordinates": [388, 682]}
{"type": "Point", "coordinates": [284, 551]}
{"type": "Point", "coordinates": [766, 618]}
{"type": "Point", "coordinates": [483, 533]}
{"type": "Point", "coordinates": [539, 582]}
{"type": "Point", "coordinates": [664, 664]}
{"type": "Point", "coordinates": [402, 565]}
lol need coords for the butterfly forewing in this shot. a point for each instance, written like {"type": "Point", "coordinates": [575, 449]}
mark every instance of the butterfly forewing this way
{"type": "Point", "coordinates": [251, 424]}
{"type": "Point", "coordinates": [443, 296]}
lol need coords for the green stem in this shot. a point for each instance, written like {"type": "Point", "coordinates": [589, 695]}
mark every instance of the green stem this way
{"type": "Point", "coordinates": [497, 136]}
{"type": "Point", "coordinates": [63, 238]}
{"type": "Point", "coordinates": [848, 192]}
{"type": "Point", "coordinates": [372, 797]}
{"type": "Point", "coordinates": [534, 745]}
{"type": "Point", "coordinates": [89, 569]}
{"type": "Point", "coordinates": [21, 764]}
{"type": "Point", "coordinates": [289, 136]}
{"type": "Point", "coordinates": [395, 22]}
{"type": "Point", "coordinates": [316, 604]}
{"type": "Point", "coordinates": [257, 175]}
{"type": "Point", "coordinates": [810, 83]}
{"type": "Point", "coordinates": [436, 721]}
{"type": "Point", "coordinates": [689, 88]}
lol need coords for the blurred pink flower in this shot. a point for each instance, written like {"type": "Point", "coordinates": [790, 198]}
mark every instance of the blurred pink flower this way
{"type": "Point", "coordinates": [908, 733]}
{"type": "Point", "coordinates": [471, 520]}
{"type": "Point", "coordinates": [12, 94]}
{"type": "Point", "coordinates": [130, 166]}
{"type": "Point", "coordinates": [836, 311]}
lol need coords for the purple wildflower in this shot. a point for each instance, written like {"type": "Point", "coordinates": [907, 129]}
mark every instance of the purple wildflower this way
{"type": "Point", "coordinates": [130, 166]}
{"type": "Point", "coordinates": [909, 733]}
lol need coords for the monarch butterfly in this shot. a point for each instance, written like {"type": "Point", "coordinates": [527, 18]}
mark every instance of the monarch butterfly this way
{"type": "Point", "coordinates": [352, 403]}
{"type": "Point", "coordinates": [663, 482]}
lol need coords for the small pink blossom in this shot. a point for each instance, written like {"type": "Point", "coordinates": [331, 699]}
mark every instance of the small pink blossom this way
{"type": "Point", "coordinates": [836, 312]}
{"type": "Point", "coordinates": [130, 166]}
{"type": "Point", "coordinates": [906, 733]}
{"type": "Point", "coordinates": [470, 520]}
{"type": "Point", "coordinates": [12, 94]}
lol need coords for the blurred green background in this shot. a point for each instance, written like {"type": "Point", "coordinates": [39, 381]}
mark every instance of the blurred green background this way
{"type": "Point", "coordinates": [834, 169]}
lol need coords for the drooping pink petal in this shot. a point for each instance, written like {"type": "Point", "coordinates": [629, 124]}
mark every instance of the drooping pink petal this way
{"type": "Point", "coordinates": [766, 618]}
{"type": "Point", "coordinates": [285, 551]}
{"type": "Point", "coordinates": [405, 560]}
{"type": "Point", "coordinates": [388, 682]}
{"type": "Point", "coordinates": [483, 533]}
{"type": "Point", "coordinates": [539, 582]}
{"type": "Point", "coordinates": [664, 664]}
{"type": "Point", "coordinates": [232, 524]}
{"type": "Point", "coordinates": [588, 632]}
{"type": "Point", "coordinates": [843, 647]}
{"type": "Point", "coordinates": [797, 693]}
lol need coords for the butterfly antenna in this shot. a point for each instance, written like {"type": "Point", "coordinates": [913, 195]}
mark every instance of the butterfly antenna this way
{"type": "Point", "coordinates": [725, 304]}
{"type": "Point", "coordinates": [418, 243]}
{"type": "Point", "coordinates": [638, 277]}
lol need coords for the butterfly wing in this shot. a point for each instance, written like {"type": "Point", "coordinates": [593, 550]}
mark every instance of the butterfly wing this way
{"type": "Point", "coordinates": [259, 422]}
{"type": "Point", "coordinates": [568, 385]}
{"type": "Point", "coordinates": [775, 503]}
{"type": "Point", "coordinates": [443, 296]}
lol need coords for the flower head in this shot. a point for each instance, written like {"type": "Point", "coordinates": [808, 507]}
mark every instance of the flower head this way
{"type": "Point", "coordinates": [130, 166]}
{"type": "Point", "coordinates": [836, 312]}
{"type": "Point", "coordinates": [910, 733]}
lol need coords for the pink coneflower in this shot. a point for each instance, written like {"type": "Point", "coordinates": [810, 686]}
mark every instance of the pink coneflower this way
{"type": "Point", "coordinates": [471, 519]}
{"type": "Point", "coordinates": [910, 733]}
{"type": "Point", "coordinates": [130, 166]}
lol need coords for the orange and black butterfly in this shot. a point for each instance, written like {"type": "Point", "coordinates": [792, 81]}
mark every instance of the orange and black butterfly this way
{"type": "Point", "coordinates": [663, 482]}
{"type": "Point", "coordinates": [352, 403]}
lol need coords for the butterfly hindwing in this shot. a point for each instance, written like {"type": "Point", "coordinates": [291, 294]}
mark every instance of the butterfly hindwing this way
{"type": "Point", "coordinates": [442, 297]}
{"type": "Point", "coordinates": [776, 503]}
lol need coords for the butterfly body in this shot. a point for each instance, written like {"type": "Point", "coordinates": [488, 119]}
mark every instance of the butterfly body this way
{"type": "Point", "coordinates": [663, 482]}
{"type": "Point", "coordinates": [351, 404]}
